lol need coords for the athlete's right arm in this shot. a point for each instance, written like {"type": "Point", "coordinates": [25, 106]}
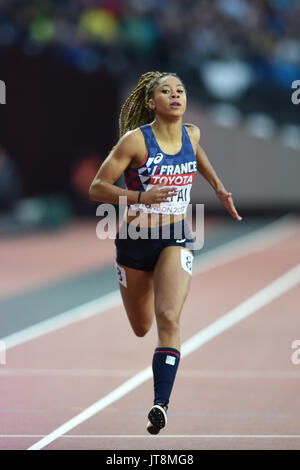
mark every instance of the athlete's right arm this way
{"type": "Point", "coordinates": [103, 189]}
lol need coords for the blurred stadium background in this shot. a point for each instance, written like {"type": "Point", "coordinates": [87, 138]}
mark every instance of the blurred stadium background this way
{"type": "Point", "coordinates": [66, 67]}
{"type": "Point", "coordinates": [69, 64]}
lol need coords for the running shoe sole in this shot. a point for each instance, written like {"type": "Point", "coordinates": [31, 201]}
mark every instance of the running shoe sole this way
{"type": "Point", "coordinates": [157, 419]}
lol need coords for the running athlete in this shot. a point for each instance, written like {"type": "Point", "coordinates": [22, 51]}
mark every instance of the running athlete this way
{"type": "Point", "coordinates": [159, 157]}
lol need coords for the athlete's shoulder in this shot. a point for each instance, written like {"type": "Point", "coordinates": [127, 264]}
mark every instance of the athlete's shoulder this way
{"type": "Point", "coordinates": [193, 131]}
{"type": "Point", "coordinates": [132, 142]}
{"type": "Point", "coordinates": [132, 135]}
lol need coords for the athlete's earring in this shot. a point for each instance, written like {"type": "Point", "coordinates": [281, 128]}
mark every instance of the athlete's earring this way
{"type": "Point", "coordinates": [150, 107]}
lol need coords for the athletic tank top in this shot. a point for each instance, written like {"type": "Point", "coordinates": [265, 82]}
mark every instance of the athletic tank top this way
{"type": "Point", "coordinates": [173, 171]}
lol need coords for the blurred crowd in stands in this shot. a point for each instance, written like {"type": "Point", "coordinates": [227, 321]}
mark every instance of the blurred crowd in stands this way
{"type": "Point", "coordinates": [241, 52]}
{"type": "Point", "coordinates": [96, 33]}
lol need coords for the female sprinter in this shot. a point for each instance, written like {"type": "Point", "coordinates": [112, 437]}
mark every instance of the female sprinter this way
{"type": "Point", "coordinates": [155, 272]}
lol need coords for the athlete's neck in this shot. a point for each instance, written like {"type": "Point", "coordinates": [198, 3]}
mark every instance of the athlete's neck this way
{"type": "Point", "coordinates": [167, 131]}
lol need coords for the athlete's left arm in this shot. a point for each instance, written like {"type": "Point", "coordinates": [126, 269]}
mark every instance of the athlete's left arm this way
{"type": "Point", "coordinates": [207, 171]}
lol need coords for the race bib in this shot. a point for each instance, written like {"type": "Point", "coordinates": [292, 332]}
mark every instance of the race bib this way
{"type": "Point", "coordinates": [121, 274]}
{"type": "Point", "coordinates": [187, 260]}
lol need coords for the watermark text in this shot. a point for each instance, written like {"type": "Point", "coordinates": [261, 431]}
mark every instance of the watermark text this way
{"type": "Point", "coordinates": [147, 225]}
{"type": "Point", "coordinates": [296, 94]}
{"type": "Point", "coordinates": [296, 354]}
{"type": "Point", "coordinates": [2, 92]}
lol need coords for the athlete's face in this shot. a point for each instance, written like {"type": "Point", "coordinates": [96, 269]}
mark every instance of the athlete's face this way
{"type": "Point", "coordinates": [169, 98]}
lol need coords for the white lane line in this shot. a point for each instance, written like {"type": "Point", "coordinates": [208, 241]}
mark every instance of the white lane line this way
{"type": "Point", "coordinates": [190, 374]}
{"type": "Point", "coordinates": [68, 372]}
{"type": "Point", "coordinates": [244, 245]}
{"type": "Point", "coordinates": [247, 244]}
{"type": "Point", "coordinates": [69, 317]}
{"type": "Point", "coordinates": [263, 297]}
{"type": "Point", "coordinates": [164, 436]}
{"type": "Point", "coordinates": [245, 309]}
{"type": "Point", "coordinates": [5, 436]}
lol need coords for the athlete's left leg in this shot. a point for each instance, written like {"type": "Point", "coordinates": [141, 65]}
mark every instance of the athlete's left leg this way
{"type": "Point", "coordinates": [171, 285]}
{"type": "Point", "coordinates": [171, 277]}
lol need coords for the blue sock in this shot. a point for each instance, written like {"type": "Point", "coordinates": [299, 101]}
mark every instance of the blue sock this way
{"type": "Point", "coordinates": [164, 365]}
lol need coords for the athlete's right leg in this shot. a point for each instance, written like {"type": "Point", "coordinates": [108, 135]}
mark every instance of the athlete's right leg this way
{"type": "Point", "coordinates": [138, 298]}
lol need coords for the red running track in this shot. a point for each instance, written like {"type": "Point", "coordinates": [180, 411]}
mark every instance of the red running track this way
{"type": "Point", "coordinates": [238, 390]}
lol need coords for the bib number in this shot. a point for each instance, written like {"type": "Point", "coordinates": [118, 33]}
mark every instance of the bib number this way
{"type": "Point", "coordinates": [121, 274]}
{"type": "Point", "coordinates": [187, 261]}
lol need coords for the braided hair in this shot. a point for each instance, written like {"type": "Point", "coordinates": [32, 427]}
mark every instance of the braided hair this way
{"type": "Point", "coordinates": [135, 111]}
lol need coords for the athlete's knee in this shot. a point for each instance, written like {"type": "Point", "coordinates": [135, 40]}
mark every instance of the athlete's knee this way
{"type": "Point", "coordinates": [167, 320]}
{"type": "Point", "coordinates": [141, 331]}
{"type": "Point", "coordinates": [141, 328]}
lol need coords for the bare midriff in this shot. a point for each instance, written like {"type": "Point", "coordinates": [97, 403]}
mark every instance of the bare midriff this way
{"type": "Point", "coordinates": [144, 219]}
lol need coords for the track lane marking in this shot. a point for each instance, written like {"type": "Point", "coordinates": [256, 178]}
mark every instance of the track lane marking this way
{"type": "Point", "coordinates": [276, 288]}
{"type": "Point", "coordinates": [164, 436]}
{"type": "Point", "coordinates": [229, 251]}
{"type": "Point", "coordinates": [190, 374]}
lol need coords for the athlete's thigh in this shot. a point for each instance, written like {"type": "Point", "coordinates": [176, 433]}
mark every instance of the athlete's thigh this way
{"type": "Point", "coordinates": [172, 278]}
{"type": "Point", "coordinates": [138, 295]}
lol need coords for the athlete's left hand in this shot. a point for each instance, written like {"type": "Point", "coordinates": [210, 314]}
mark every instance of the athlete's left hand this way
{"type": "Point", "coordinates": [226, 199]}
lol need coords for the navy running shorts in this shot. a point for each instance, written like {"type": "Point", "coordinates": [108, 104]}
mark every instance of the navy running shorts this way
{"type": "Point", "coordinates": [143, 252]}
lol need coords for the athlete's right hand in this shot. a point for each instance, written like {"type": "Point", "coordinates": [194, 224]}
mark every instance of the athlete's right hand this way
{"type": "Point", "coordinates": [156, 195]}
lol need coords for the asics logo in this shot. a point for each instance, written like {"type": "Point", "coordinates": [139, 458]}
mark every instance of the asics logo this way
{"type": "Point", "coordinates": [180, 241]}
